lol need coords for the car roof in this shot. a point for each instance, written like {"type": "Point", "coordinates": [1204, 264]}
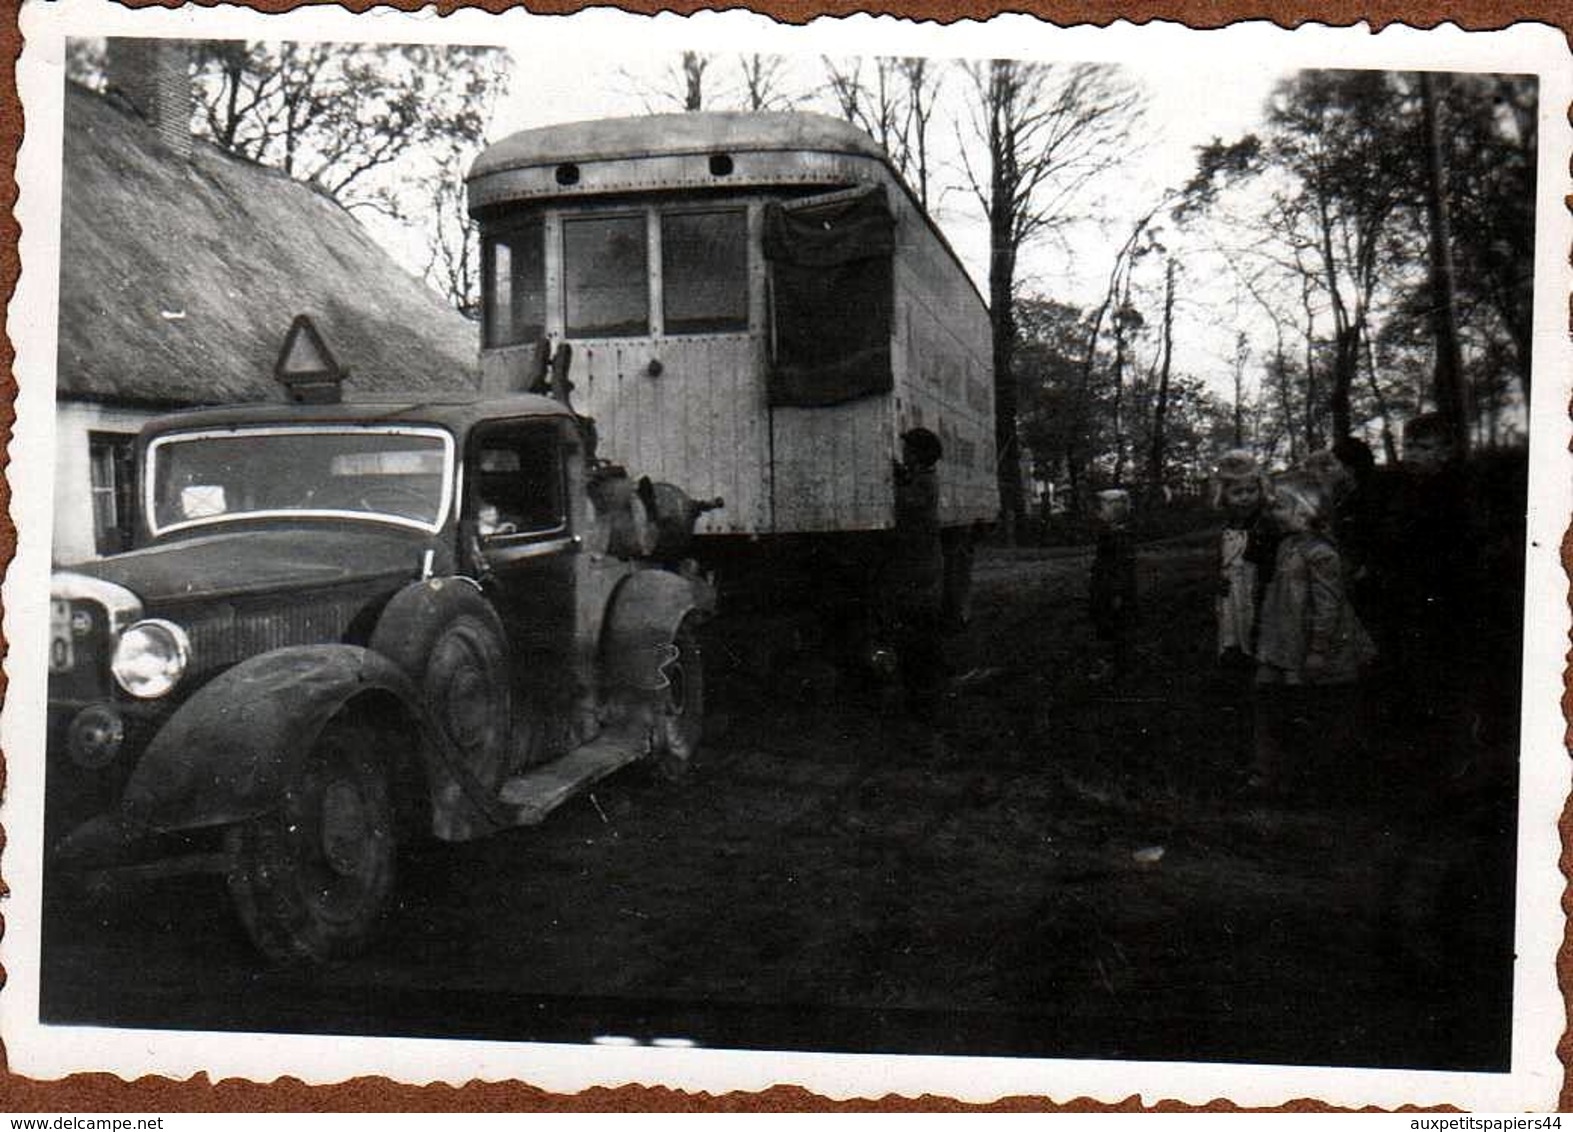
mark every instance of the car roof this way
{"type": "Point", "coordinates": [456, 412]}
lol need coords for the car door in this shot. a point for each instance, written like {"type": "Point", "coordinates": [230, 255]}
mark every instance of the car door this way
{"type": "Point", "coordinates": [516, 502]}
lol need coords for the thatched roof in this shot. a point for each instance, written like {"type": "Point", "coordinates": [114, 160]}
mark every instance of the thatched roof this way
{"type": "Point", "coordinates": [179, 279]}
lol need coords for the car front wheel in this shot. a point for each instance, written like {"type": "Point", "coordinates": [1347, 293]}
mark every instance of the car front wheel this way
{"type": "Point", "coordinates": [312, 879]}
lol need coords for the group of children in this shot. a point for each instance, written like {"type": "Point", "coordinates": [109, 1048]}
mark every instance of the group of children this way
{"type": "Point", "coordinates": [1286, 619]}
{"type": "Point", "coordinates": [1307, 599]}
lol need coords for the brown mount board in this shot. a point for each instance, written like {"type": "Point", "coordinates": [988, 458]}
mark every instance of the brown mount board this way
{"type": "Point", "coordinates": [97, 1092]}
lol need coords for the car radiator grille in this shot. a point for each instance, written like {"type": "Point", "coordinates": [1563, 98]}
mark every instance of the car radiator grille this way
{"type": "Point", "coordinates": [222, 638]}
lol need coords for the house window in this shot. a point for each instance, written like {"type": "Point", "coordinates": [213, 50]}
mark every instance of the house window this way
{"type": "Point", "coordinates": [516, 285]}
{"type": "Point", "coordinates": [111, 458]}
{"type": "Point", "coordinates": [606, 276]}
{"type": "Point", "coordinates": [704, 271]}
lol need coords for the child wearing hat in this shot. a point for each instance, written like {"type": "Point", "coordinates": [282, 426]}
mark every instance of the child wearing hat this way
{"type": "Point", "coordinates": [1310, 645]}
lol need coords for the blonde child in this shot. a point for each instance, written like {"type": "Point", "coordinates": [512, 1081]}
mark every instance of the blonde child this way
{"type": "Point", "coordinates": [1245, 554]}
{"type": "Point", "coordinates": [1310, 645]}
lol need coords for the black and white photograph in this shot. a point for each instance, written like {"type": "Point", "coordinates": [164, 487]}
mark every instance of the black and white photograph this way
{"type": "Point", "coordinates": [980, 561]}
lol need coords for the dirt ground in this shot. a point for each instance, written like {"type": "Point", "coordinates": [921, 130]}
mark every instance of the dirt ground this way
{"type": "Point", "coordinates": [1066, 866]}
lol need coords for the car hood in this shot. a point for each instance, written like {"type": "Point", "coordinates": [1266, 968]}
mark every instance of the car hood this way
{"type": "Point", "coordinates": [250, 561]}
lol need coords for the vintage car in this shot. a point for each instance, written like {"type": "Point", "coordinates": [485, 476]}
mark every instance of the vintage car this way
{"type": "Point", "coordinates": [343, 626]}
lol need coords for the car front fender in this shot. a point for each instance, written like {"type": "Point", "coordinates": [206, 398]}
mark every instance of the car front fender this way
{"type": "Point", "coordinates": [229, 750]}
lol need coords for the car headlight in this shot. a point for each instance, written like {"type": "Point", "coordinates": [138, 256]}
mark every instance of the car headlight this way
{"type": "Point", "coordinates": [150, 658]}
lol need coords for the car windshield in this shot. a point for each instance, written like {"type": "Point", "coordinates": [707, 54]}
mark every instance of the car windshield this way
{"type": "Point", "coordinates": [395, 475]}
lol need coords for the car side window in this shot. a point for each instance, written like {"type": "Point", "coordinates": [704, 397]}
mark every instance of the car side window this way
{"type": "Point", "coordinates": [516, 476]}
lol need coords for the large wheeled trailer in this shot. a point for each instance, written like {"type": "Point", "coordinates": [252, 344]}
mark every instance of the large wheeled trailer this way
{"type": "Point", "coordinates": [754, 306]}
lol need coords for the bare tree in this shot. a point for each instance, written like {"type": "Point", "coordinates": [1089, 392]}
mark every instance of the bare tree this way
{"type": "Point", "coordinates": [341, 116]}
{"type": "Point", "coordinates": [1261, 269]}
{"type": "Point", "coordinates": [867, 93]}
{"type": "Point", "coordinates": [693, 66]}
{"type": "Point", "coordinates": [453, 259]}
{"type": "Point", "coordinates": [681, 84]}
{"type": "Point", "coordinates": [1379, 397]}
{"type": "Point", "coordinates": [1444, 301]}
{"type": "Point", "coordinates": [922, 82]}
{"type": "Point", "coordinates": [1310, 401]}
{"type": "Point", "coordinates": [1160, 412]}
{"type": "Point", "coordinates": [1345, 174]}
{"type": "Point", "coordinates": [1119, 284]}
{"type": "Point", "coordinates": [1490, 160]}
{"type": "Point", "coordinates": [844, 84]}
{"type": "Point", "coordinates": [893, 101]}
{"type": "Point", "coordinates": [1047, 131]}
{"type": "Point", "coordinates": [764, 85]}
{"type": "Point", "coordinates": [1332, 132]}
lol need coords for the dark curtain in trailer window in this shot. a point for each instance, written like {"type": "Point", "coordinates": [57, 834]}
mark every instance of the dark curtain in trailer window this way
{"type": "Point", "coordinates": [833, 296]}
{"type": "Point", "coordinates": [606, 276]}
{"type": "Point", "coordinates": [704, 271]}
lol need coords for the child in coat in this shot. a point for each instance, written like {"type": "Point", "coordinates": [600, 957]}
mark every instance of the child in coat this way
{"type": "Point", "coordinates": [1246, 546]}
{"type": "Point", "coordinates": [914, 574]}
{"type": "Point", "coordinates": [1310, 647]}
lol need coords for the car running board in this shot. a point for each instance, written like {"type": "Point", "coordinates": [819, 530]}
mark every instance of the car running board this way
{"type": "Point", "coordinates": [532, 796]}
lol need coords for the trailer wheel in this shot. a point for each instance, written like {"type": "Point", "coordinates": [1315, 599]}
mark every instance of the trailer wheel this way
{"type": "Point", "coordinates": [312, 879]}
{"type": "Point", "coordinates": [680, 712]}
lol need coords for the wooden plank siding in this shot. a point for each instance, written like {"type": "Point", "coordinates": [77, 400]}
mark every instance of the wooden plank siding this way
{"type": "Point", "coordinates": [700, 424]}
{"type": "Point", "coordinates": [702, 421]}
{"type": "Point", "coordinates": [696, 424]}
{"type": "Point", "coordinates": [832, 466]}
{"type": "Point", "coordinates": [942, 354]}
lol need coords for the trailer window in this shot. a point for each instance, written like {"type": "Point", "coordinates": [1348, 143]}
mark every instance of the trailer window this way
{"type": "Point", "coordinates": [606, 276]}
{"type": "Point", "coordinates": [516, 285]}
{"type": "Point", "coordinates": [704, 271]}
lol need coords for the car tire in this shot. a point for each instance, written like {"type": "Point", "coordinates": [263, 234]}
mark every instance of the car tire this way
{"type": "Point", "coordinates": [312, 879]}
{"type": "Point", "coordinates": [453, 647]}
{"type": "Point", "coordinates": [680, 710]}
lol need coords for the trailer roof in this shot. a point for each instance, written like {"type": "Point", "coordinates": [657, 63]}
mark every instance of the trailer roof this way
{"type": "Point", "coordinates": [665, 135]}
{"type": "Point", "coordinates": [608, 157]}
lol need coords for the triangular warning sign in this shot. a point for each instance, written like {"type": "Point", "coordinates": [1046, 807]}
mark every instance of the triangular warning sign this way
{"type": "Point", "coordinates": [305, 356]}
{"type": "Point", "coordinates": [307, 369]}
